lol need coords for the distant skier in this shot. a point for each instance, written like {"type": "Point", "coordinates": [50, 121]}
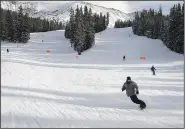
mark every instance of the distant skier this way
{"type": "Point", "coordinates": [153, 69]}
{"type": "Point", "coordinates": [7, 50]}
{"type": "Point", "coordinates": [130, 87]}
{"type": "Point", "coordinates": [123, 57]}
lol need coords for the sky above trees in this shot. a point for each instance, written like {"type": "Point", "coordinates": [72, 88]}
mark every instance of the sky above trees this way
{"type": "Point", "coordinates": [131, 6]}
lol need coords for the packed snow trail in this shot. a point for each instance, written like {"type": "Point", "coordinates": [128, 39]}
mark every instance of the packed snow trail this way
{"type": "Point", "coordinates": [40, 89]}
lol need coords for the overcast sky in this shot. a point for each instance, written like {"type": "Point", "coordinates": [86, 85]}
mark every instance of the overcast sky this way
{"type": "Point", "coordinates": [131, 6]}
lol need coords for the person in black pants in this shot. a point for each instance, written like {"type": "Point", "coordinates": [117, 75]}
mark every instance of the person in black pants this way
{"type": "Point", "coordinates": [153, 70]}
{"type": "Point", "coordinates": [130, 87]}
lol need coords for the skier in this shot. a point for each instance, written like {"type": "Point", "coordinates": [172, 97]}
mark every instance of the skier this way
{"type": "Point", "coordinates": [130, 87]}
{"type": "Point", "coordinates": [153, 69]}
{"type": "Point", "coordinates": [124, 57]}
{"type": "Point", "coordinates": [7, 50]}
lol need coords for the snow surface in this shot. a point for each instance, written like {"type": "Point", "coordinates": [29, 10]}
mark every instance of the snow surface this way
{"type": "Point", "coordinates": [56, 89]}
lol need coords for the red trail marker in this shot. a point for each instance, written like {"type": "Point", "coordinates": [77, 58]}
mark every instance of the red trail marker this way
{"type": "Point", "coordinates": [142, 58]}
{"type": "Point", "coordinates": [48, 51]}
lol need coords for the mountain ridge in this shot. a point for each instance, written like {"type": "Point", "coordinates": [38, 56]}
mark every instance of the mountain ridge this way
{"type": "Point", "coordinates": [61, 12]}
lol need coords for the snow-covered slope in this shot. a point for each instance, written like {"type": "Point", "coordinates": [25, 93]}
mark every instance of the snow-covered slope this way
{"type": "Point", "coordinates": [39, 89]}
{"type": "Point", "coordinates": [62, 11]}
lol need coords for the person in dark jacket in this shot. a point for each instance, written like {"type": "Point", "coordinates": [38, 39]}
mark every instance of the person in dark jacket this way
{"type": "Point", "coordinates": [153, 70]}
{"type": "Point", "coordinates": [123, 57]}
{"type": "Point", "coordinates": [132, 91]}
{"type": "Point", "coordinates": [7, 50]}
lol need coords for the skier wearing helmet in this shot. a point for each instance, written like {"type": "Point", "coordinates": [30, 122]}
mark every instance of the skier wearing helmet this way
{"type": "Point", "coordinates": [132, 91]}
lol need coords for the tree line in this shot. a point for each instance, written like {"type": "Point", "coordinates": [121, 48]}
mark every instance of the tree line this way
{"type": "Point", "coordinates": [44, 25]}
{"type": "Point", "coordinates": [82, 27]}
{"type": "Point", "coordinates": [155, 25]}
{"type": "Point", "coordinates": [17, 26]}
{"type": "Point", "coordinates": [122, 24]}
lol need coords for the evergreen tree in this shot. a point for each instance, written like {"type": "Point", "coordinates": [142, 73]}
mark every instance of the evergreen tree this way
{"type": "Point", "coordinates": [82, 27]}
{"type": "Point", "coordinates": [90, 33]}
{"type": "Point", "coordinates": [15, 26]}
{"type": "Point", "coordinates": [107, 19]}
{"type": "Point", "coordinates": [181, 30]}
{"type": "Point", "coordinates": [120, 24]}
{"type": "Point", "coordinates": [153, 24]}
{"type": "Point", "coordinates": [25, 36]}
{"type": "Point", "coordinates": [16, 33]}
{"type": "Point", "coordinates": [67, 31]}
{"type": "Point", "coordinates": [80, 32]}
{"type": "Point", "coordinates": [20, 23]}
{"type": "Point", "coordinates": [9, 31]}
{"type": "Point", "coordinates": [179, 41]}
{"type": "Point", "coordinates": [172, 28]}
{"type": "Point", "coordinates": [72, 27]}
{"type": "Point", "coordinates": [3, 34]}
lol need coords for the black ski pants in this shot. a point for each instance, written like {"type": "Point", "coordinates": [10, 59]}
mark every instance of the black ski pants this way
{"type": "Point", "coordinates": [136, 100]}
{"type": "Point", "coordinates": [153, 71]}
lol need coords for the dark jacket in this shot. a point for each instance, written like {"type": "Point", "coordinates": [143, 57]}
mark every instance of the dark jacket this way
{"type": "Point", "coordinates": [130, 87]}
{"type": "Point", "coordinates": [153, 68]}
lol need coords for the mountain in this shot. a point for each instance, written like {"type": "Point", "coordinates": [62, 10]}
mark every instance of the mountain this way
{"type": "Point", "coordinates": [61, 11]}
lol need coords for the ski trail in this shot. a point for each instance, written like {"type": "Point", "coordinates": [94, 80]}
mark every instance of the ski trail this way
{"type": "Point", "coordinates": [58, 90]}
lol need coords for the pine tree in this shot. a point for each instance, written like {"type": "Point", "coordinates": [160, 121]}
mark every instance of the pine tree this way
{"type": "Point", "coordinates": [20, 23]}
{"type": "Point", "coordinates": [120, 24]}
{"type": "Point", "coordinates": [67, 31]}
{"type": "Point", "coordinates": [3, 36]}
{"type": "Point", "coordinates": [90, 33]}
{"type": "Point", "coordinates": [104, 22]}
{"type": "Point", "coordinates": [107, 19]}
{"type": "Point", "coordinates": [25, 36]}
{"type": "Point", "coordinates": [16, 34]}
{"type": "Point", "coordinates": [170, 29]}
{"type": "Point", "coordinates": [3, 33]}
{"type": "Point", "coordinates": [181, 31]}
{"type": "Point", "coordinates": [82, 27]}
{"type": "Point", "coordinates": [72, 27]}
{"type": "Point", "coordinates": [9, 32]}
{"type": "Point", "coordinates": [80, 32]}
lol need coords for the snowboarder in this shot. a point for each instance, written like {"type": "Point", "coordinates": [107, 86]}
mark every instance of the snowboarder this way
{"type": "Point", "coordinates": [123, 57]}
{"type": "Point", "coordinates": [130, 87]}
{"type": "Point", "coordinates": [153, 69]}
{"type": "Point", "coordinates": [7, 50]}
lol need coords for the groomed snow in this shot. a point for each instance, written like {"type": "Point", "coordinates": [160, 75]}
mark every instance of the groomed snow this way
{"type": "Point", "coordinates": [56, 89]}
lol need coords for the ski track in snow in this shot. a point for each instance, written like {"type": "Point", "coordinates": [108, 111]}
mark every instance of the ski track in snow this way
{"type": "Point", "coordinates": [57, 90]}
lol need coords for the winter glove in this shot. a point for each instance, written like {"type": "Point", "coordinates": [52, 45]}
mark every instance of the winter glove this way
{"type": "Point", "coordinates": [137, 92]}
{"type": "Point", "coordinates": [123, 89]}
